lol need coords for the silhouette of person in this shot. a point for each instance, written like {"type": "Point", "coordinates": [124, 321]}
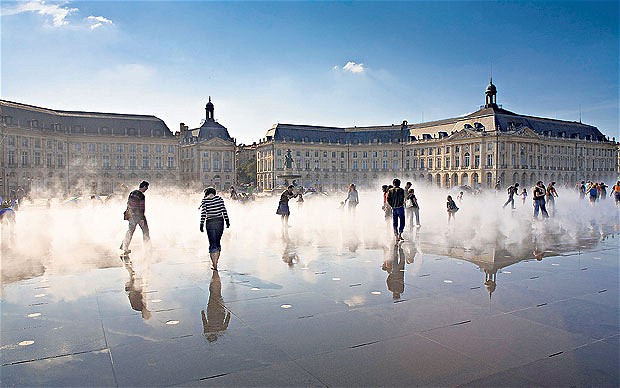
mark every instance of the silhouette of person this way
{"type": "Point", "coordinates": [216, 320]}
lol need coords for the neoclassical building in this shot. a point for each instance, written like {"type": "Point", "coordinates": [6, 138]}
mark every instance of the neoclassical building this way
{"type": "Point", "coordinates": [478, 149]}
{"type": "Point", "coordinates": [72, 152]}
{"type": "Point", "coordinates": [207, 154]}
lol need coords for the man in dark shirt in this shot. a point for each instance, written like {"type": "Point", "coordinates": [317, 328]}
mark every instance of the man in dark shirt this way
{"type": "Point", "coordinates": [396, 199]}
{"type": "Point", "coordinates": [135, 215]}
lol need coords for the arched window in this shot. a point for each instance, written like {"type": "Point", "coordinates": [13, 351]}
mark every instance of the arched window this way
{"type": "Point", "coordinates": [466, 162]}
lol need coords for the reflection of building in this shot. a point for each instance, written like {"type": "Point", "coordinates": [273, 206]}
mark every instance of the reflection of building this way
{"type": "Point", "coordinates": [60, 151]}
{"type": "Point", "coordinates": [207, 153]}
{"type": "Point", "coordinates": [477, 149]}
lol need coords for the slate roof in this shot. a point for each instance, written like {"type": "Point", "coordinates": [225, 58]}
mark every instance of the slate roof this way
{"type": "Point", "coordinates": [299, 133]}
{"type": "Point", "coordinates": [90, 123]}
{"type": "Point", "coordinates": [211, 129]}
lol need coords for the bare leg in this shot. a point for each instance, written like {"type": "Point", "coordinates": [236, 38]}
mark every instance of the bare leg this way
{"type": "Point", "coordinates": [215, 256]}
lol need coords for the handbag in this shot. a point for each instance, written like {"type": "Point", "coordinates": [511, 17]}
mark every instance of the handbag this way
{"type": "Point", "coordinates": [126, 214]}
{"type": "Point", "coordinates": [408, 203]}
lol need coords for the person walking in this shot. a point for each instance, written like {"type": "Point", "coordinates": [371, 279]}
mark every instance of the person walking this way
{"type": "Point", "coordinates": [136, 205]}
{"type": "Point", "coordinates": [213, 215]}
{"type": "Point", "coordinates": [615, 191]}
{"type": "Point", "coordinates": [352, 198]}
{"type": "Point", "coordinates": [412, 208]}
{"type": "Point", "coordinates": [551, 195]}
{"type": "Point", "coordinates": [538, 196]}
{"type": "Point", "coordinates": [512, 190]}
{"type": "Point", "coordinates": [593, 192]}
{"type": "Point", "coordinates": [524, 195]}
{"type": "Point", "coordinates": [396, 200]}
{"type": "Point", "coordinates": [283, 208]}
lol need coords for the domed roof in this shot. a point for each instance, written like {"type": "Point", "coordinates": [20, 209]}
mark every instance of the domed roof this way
{"type": "Point", "coordinates": [491, 88]}
{"type": "Point", "coordinates": [209, 104]}
{"type": "Point", "coordinates": [212, 129]}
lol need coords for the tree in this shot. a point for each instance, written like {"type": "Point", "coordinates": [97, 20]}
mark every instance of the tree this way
{"type": "Point", "coordinates": [246, 172]}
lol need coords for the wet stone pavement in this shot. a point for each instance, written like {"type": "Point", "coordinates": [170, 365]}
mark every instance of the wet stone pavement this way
{"type": "Point", "coordinates": [304, 315]}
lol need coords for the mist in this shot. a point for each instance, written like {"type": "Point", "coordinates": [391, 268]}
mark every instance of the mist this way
{"type": "Point", "coordinates": [68, 238]}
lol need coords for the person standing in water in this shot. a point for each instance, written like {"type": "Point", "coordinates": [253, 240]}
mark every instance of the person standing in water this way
{"type": "Point", "coordinates": [396, 200]}
{"type": "Point", "coordinates": [352, 198]}
{"type": "Point", "coordinates": [213, 215]}
{"type": "Point", "coordinates": [136, 205]}
{"type": "Point", "coordinates": [451, 208]}
{"type": "Point", "coordinates": [283, 208]}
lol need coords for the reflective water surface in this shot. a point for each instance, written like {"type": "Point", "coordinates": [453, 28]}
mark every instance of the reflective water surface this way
{"type": "Point", "coordinates": [540, 309]}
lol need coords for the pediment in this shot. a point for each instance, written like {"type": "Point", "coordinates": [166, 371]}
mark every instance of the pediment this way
{"type": "Point", "coordinates": [526, 132]}
{"type": "Point", "coordinates": [464, 134]}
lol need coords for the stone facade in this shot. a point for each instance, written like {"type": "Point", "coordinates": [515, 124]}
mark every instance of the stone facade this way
{"type": "Point", "coordinates": [69, 153]}
{"type": "Point", "coordinates": [477, 150]}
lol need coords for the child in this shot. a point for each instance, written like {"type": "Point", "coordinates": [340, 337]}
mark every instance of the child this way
{"type": "Point", "coordinates": [451, 207]}
{"type": "Point", "coordinates": [524, 195]}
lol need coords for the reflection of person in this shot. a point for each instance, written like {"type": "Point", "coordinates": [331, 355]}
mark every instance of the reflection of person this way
{"type": "Point", "coordinates": [135, 290]}
{"type": "Point", "coordinates": [283, 209]}
{"type": "Point", "coordinates": [395, 267]}
{"type": "Point", "coordinates": [217, 317]}
{"type": "Point", "coordinates": [213, 215]}
{"type": "Point", "coordinates": [136, 205]}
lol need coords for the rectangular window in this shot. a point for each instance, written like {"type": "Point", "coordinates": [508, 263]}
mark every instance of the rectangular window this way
{"type": "Point", "coordinates": [171, 149]}
{"type": "Point", "coordinates": [217, 165]}
{"type": "Point", "coordinates": [158, 162]}
{"type": "Point", "coordinates": [355, 165]}
{"type": "Point", "coordinates": [105, 147]}
{"type": "Point", "coordinates": [133, 163]}
{"type": "Point", "coordinates": [25, 158]}
{"type": "Point", "coordinates": [447, 162]}
{"type": "Point", "coordinates": [105, 162]}
{"type": "Point", "coordinates": [384, 164]}
{"type": "Point", "coordinates": [394, 165]}
{"type": "Point", "coordinates": [37, 143]}
{"type": "Point", "coordinates": [145, 162]}
{"type": "Point", "coordinates": [490, 160]}
{"type": "Point", "coordinates": [60, 160]}
{"type": "Point", "coordinates": [49, 144]}
{"type": "Point", "coordinates": [25, 142]}
{"type": "Point", "coordinates": [430, 162]}
{"type": "Point", "coordinates": [119, 148]}
{"type": "Point", "coordinates": [77, 147]}
{"type": "Point", "coordinates": [395, 154]}
{"type": "Point", "coordinates": [119, 162]}
{"type": "Point", "coordinates": [170, 161]}
{"type": "Point", "coordinates": [374, 154]}
{"type": "Point", "coordinates": [92, 147]}
{"type": "Point", "coordinates": [145, 149]}
{"type": "Point", "coordinates": [133, 148]}
{"type": "Point", "coordinates": [11, 158]}
{"type": "Point", "coordinates": [354, 154]}
{"type": "Point", "coordinates": [37, 158]}
{"type": "Point", "coordinates": [48, 160]}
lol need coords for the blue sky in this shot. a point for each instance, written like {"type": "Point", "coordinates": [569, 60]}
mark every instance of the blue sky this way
{"type": "Point", "coordinates": [315, 63]}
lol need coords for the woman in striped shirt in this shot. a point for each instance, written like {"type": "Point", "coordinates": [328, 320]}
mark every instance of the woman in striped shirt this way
{"type": "Point", "coordinates": [213, 214]}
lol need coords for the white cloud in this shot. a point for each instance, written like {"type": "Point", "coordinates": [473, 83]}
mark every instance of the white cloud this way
{"type": "Point", "coordinates": [57, 12]}
{"type": "Point", "coordinates": [98, 21]}
{"type": "Point", "coordinates": [353, 67]}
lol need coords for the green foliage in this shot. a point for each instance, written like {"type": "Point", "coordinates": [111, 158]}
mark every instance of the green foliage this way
{"type": "Point", "coordinates": [246, 172]}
